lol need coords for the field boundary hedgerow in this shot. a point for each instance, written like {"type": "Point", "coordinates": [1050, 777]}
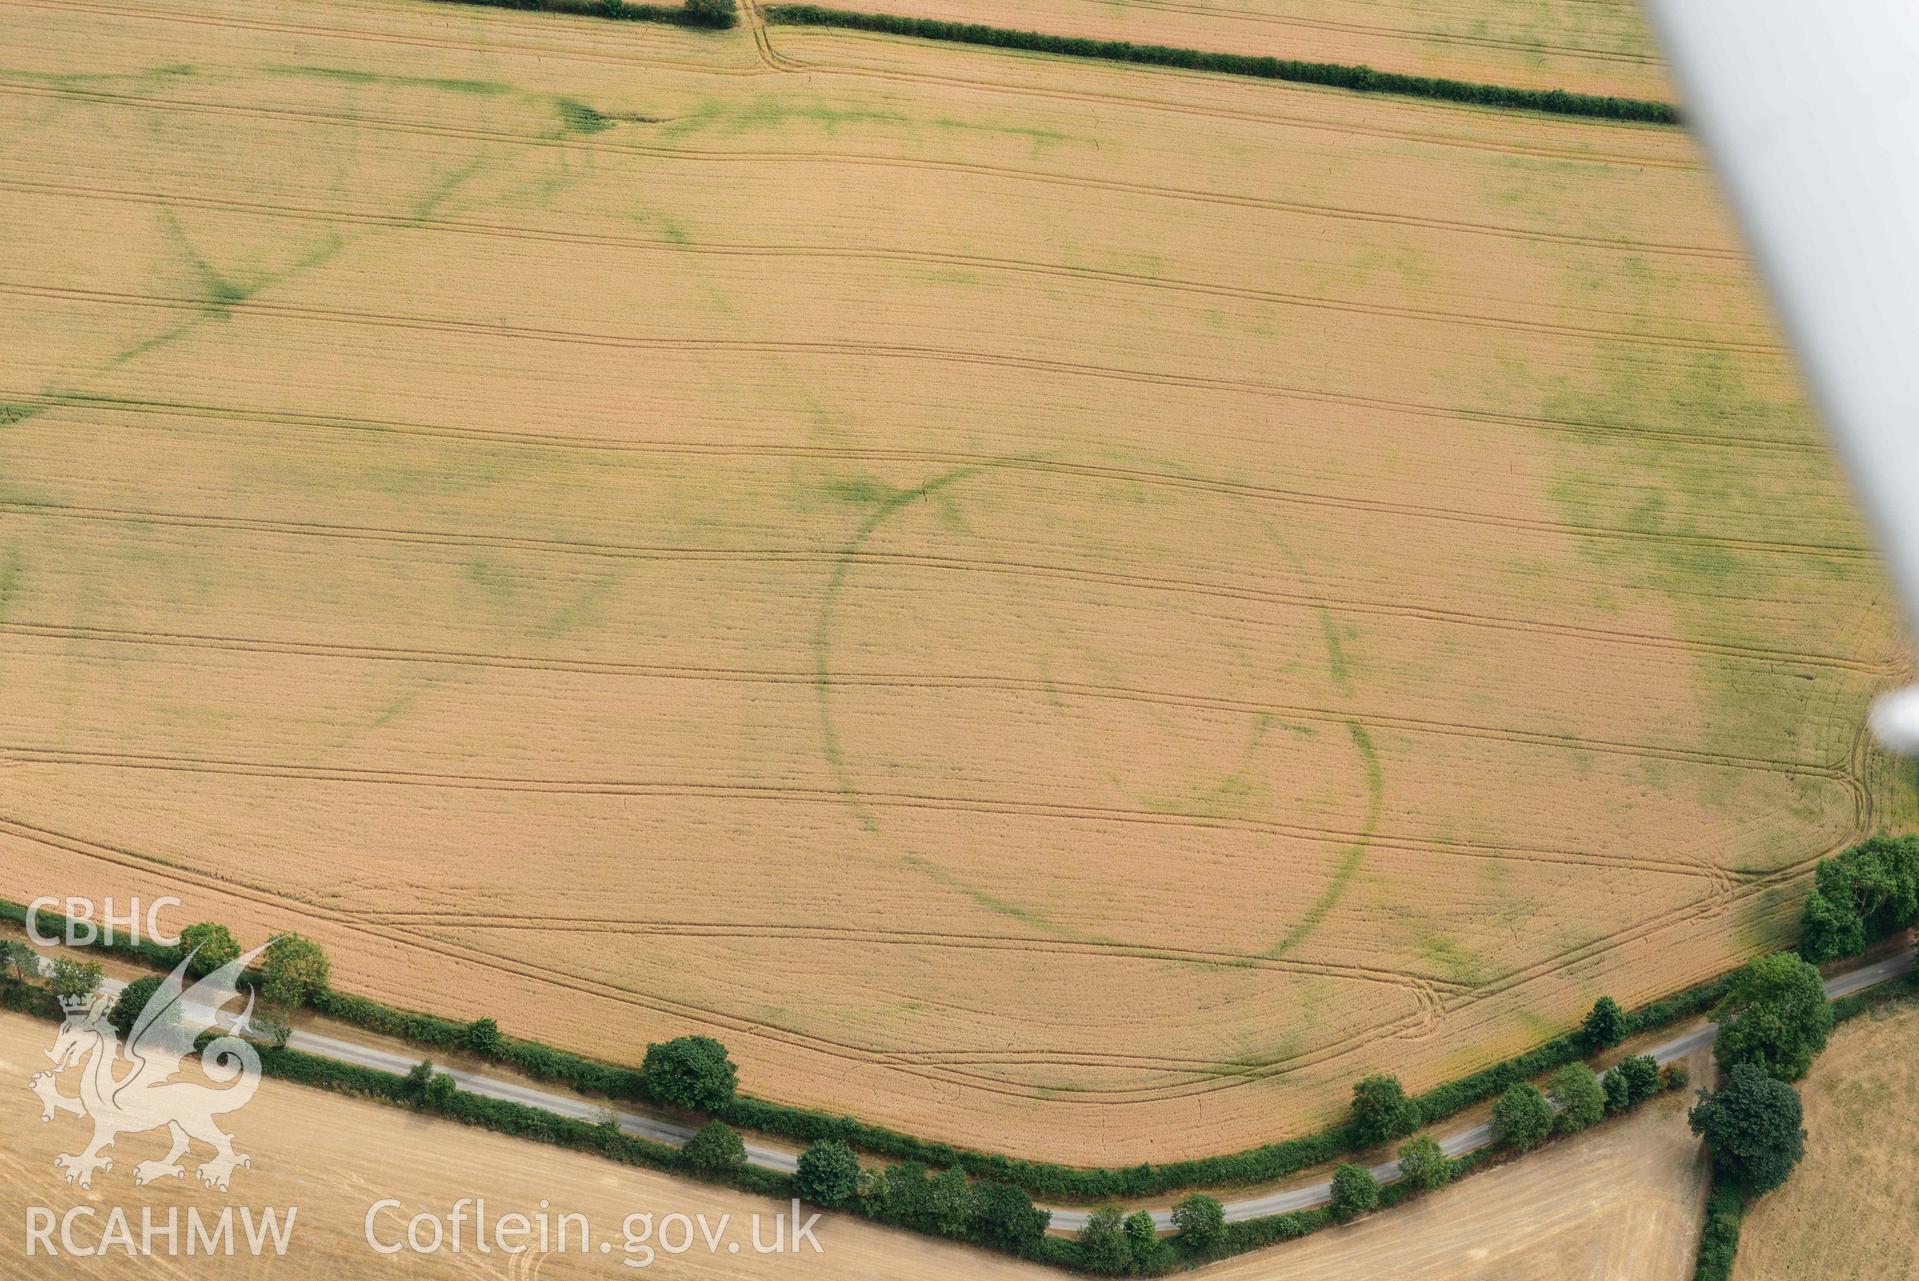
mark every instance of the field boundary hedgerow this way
{"type": "Point", "coordinates": [706, 15]}
{"type": "Point", "coordinates": [606, 1139]}
{"type": "Point", "coordinates": [1333, 75]}
{"type": "Point", "coordinates": [1250, 1167]}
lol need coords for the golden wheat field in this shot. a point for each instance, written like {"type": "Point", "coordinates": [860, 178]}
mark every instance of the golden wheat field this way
{"type": "Point", "coordinates": [1587, 46]}
{"type": "Point", "coordinates": [1062, 607]}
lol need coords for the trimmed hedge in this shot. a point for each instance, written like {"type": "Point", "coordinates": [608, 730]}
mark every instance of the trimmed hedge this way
{"type": "Point", "coordinates": [1719, 1234]}
{"type": "Point", "coordinates": [618, 10]}
{"type": "Point", "coordinates": [522, 1121]}
{"type": "Point", "coordinates": [1044, 1179]}
{"type": "Point", "coordinates": [1332, 74]}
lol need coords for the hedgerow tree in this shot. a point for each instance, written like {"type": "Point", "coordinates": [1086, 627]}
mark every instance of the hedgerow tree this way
{"type": "Point", "coordinates": [1102, 1242]}
{"type": "Point", "coordinates": [689, 1072]}
{"type": "Point", "coordinates": [1863, 894]}
{"type": "Point", "coordinates": [1201, 1221]}
{"type": "Point", "coordinates": [1381, 1111]}
{"type": "Point", "coordinates": [1618, 1092]}
{"type": "Point", "coordinates": [1142, 1240]}
{"type": "Point", "coordinates": [1752, 1127]}
{"type": "Point", "coordinates": [951, 1203]}
{"type": "Point", "coordinates": [72, 980]}
{"type": "Point", "coordinates": [1355, 1192]}
{"type": "Point", "coordinates": [828, 1173]}
{"type": "Point", "coordinates": [715, 1148]}
{"type": "Point", "coordinates": [1581, 1099]}
{"type": "Point", "coordinates": [1639, 1073]}
{"type": "Point", "coordinates": [1774, 1016]}
{"type": "Point", "coordinates": [482, 1036]}
{"type": "Point", "coordinates": [18, 962]}
{"type": "Point", "coordinates": [207, 946]}
{"type": "Point", "coordinates": [1606, 1025]}
{"type": "Point", "coordinates": [440, 1090]}
{"type": "Point", "coordinates": [1007, 1216]}
{"type": "Point", "coordinates": [1522, 1118]}
{"type": "Point", "coordinates": [1423, 1165]}
{"type": "Point", "coordinates": [293, 970]}
{"type": "Point", "coordinates": [417, 1077]}
{"type": "Point", "coordinates": [133, 998]}
{"type": "Point", "coordinates": [712, 13]}
{"type": "Point", "coordinates": [904, 1193]}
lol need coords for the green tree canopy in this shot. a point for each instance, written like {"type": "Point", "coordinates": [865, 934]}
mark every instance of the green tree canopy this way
{"type": "Point", "coordinates": [1606, 1025]}
{"type": "Point", "coordinates": [293, 970]}
{"type": "Point", "coordinates": [1355, 1192]}
{"type": "Point", "coordinates": [1381, 1111]}
{"type": "Point", "coordinates": [210, 946]}
{"type": "Point", "coordinates": [70, 979]}
{"type": "Point", "coordinates": [1752, 1127]}
{"type": "Point", "coordinates": [1640, 1075]}
{"type": "Point", "coordinates": [1201, 1221]}
{"type": "Point", "coordinates": [1422, 1164]}
{"type": "Point", "coordinates": [1522, 1118]}
{"type": "Point", "coordinates": [1863, 894]}
{"type": "Point", "coordinates": [1581, 1100]}
{"type": "Point", "coordinates": [1774, 1016]}
{"type": "Point", "coordinates": [132, 999]}
{"type": "Point", "coordinates": [1007, 1216]}
{"type": "Point", "coordinates": [1618, 1092]}
{"type": "Point", "coordinates": [712, 13]}
{"type": "Point", "coordinates": [1142, 1239]}
{"type": "Point", "coordinates": [716, 1147]}
{"type": "Point", "coordinates": [951, 1202]}
{"type": "Point", "coordinates": [689, 1072]}
{"type": "Point", "coordinates": [1102, 1242]}
{"type": "Point", "coordinates": [482, 1036]}
{"type": "Point", "coordinates": [828, 1174]}
{"type": "Point", "coordinates": [440, 1090]}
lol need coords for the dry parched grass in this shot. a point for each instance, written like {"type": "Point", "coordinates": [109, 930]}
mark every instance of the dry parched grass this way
{"type": "Point", "coordinates": [1848, 1209]}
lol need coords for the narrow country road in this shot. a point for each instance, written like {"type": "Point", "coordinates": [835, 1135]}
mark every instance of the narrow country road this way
{"type": "Point", "coordinates": [1300, 1198]}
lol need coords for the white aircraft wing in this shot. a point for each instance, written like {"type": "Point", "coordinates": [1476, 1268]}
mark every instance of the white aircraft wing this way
{"type": "Point", "coordinates": [1810, 112]}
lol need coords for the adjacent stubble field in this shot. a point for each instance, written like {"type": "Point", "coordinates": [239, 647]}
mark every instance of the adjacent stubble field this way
{"type": "Point", "coordinates": [1055, 606]}
{"type": "Point", "coordinates": [1848, 1210]}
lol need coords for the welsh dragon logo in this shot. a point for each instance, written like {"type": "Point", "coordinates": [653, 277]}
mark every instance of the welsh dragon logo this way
{"type": "Point", "coordinates": [132, 1089]}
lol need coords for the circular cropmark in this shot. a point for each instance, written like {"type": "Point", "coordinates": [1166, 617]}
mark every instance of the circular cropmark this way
{"type": "Point", "coordinates": [1091, 638]}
